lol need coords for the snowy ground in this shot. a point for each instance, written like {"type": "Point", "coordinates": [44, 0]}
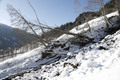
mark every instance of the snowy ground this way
{"type": "Point", "coordinates": [99, 61]}
{"type": "Point", "coordinates": [16, 64]}
{"type": "Point", "coordinates": [97, 30]}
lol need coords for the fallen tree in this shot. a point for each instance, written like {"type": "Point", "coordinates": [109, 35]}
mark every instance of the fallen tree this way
{"type": "Point", "coordinates": [18, 19]}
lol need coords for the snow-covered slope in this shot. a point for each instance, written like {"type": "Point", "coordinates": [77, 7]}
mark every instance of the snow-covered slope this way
{"type": "Point", "coordinates": [97, 30]}
{"type": "Point", "coordinates": [98, 61]}
{"type": "Point", "coordinates": [15, 65]}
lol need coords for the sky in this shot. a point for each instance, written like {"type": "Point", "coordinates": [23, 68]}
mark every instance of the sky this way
{"type": "Point", "coordinates": [50, 12]}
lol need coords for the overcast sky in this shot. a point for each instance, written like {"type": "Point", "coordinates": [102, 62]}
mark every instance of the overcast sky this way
{"type": "Point", "coordinates": [50, 12]}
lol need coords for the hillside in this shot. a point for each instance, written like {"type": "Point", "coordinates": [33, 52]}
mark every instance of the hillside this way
{"type": "Point", "coordinates": [10, 38]}
{"type": "Point", "coordinates": [70, 25]}
{"type": "Point", "coordinates": [6, 38]}
{"type": "Point", "coordinates": [109, 6]}
{"type": "Point", "coordinates": [96, 60]}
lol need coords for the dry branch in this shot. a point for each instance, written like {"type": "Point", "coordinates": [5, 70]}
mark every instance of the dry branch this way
{"type": "Point", "coordinates": [30, 69]}
{"type": "Point", "coordinates": [20, 19]}
{"type": "Point", "coordinates": [54, 53]}
{"type": "Point", "coordinates": [36, 16]}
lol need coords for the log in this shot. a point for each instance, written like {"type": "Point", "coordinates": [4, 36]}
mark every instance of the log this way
{"type": "Point", "coordinates": [31, 69]}
{"type": "Point", "coordinates": [54, 53]}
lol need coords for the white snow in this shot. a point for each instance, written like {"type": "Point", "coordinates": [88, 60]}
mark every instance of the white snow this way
{"type": "Point", "coordinates": [94, 64]}
{"type": "Point", "coordinates": [97, 28]}
{"type": "Point", "coordinates": [99, 61]}
{"type": "Point", "coordinates": [16, 64]}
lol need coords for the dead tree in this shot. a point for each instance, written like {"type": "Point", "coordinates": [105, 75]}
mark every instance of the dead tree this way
{"type": "Point", "coordinates": [79, 7]}
{"type": "Point", "coordinates": [96, 5]}
{"type": "Point", "coordinates": [117, 5]}
{"type": "Point", "coordinates": [18, 19]}
{"type": "Point", "coordinates": [36, 17]}
{"type": "Point", "coordinates": [103, 11]}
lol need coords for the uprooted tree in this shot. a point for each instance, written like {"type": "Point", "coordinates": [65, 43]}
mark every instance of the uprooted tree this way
{"type": "Point", "coordinates": [18, 19]}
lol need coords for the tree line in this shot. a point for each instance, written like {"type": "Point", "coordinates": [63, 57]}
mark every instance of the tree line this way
{"type": "Point", "coordinates": [19, 49]}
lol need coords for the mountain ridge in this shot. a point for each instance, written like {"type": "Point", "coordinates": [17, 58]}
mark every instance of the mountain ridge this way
{"type": "Point", "coordinates": [9, 37]}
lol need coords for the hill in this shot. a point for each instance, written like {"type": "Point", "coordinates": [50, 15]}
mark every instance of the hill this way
{"type": "Point", "coordinates": [112, 5]}
{"type": "Point", "coordinates": [109, 6]}
{"type": "Point", "coordinates": [9, 37]}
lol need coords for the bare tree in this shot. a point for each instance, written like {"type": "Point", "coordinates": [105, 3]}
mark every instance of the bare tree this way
{"type": "Point", "coordinates": [95, 5]}
{"type": "Point", "coordinates": [117, 3]}
{"type": "Point", "coordinates": [18, 19]}
{"type": "Point", "coordinates": [79, 7]}
{"type": "Point", "coordinates": [36, 16]}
